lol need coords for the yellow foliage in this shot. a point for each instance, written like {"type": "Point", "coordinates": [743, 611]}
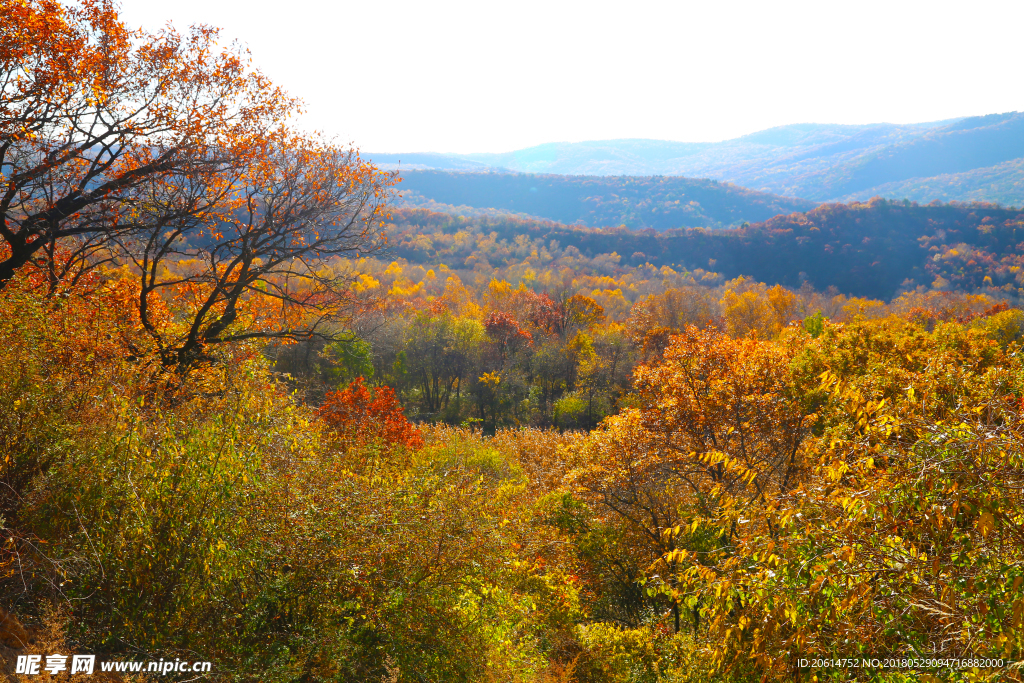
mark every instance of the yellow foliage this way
{"type": "Point", "coordinates": [366, 282]}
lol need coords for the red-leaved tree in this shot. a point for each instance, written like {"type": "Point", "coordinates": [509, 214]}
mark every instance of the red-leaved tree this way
{"type": "Point", "coordinates": [366, 416]}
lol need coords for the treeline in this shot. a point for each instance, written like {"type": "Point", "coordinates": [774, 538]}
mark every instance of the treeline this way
{"type": "Point", "coordinates": [658, 202]}
{"type": "Point", "coordinates": [558, 348]}
{"type": "Point", "coordinates": [874, 249]}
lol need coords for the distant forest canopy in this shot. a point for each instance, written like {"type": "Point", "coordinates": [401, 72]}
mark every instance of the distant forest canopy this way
{"type": "Point", "coordinates": [972, 159]}
{"type": "Point", "coordinates": [1002, 183]}
{"type": "Point", "coordinates": [872, 249]}
{"type": "Point", "coordinates": [635, 202]}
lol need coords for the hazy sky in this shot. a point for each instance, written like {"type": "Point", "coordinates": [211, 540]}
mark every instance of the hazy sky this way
{"type": "Point", "coordinates": [424, 75]}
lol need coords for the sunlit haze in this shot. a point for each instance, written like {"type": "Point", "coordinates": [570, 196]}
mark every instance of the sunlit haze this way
{"type": "Point", "coordinates": [489, 77]}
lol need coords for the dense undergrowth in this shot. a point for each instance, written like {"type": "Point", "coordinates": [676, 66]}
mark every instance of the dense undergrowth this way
{"type": "Point", "coordinates": [843, 490]}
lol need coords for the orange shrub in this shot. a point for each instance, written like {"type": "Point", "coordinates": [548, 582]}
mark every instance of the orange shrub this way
{"type": "Point", "coordinates": [365, 416]}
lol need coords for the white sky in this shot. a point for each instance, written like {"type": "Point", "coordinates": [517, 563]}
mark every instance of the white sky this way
{"type": "Point", "coordinates": [479, 76]}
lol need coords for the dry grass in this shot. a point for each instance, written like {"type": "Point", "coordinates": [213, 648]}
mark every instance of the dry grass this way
{"type": "Point", "coordinates": [536, 450]}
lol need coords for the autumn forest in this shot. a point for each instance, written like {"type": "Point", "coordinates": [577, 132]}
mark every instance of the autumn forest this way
{"type": "Point", "coordinates": [260, 409]}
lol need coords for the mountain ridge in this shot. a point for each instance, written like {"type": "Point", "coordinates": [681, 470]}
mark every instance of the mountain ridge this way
{"type": "Point", "coordinates": [818, 162]}
{"type": "Point", "coordinates": [658, 202]}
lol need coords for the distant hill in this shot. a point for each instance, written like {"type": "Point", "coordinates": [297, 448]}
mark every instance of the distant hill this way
{"type": "Point", "coordinates": [962, 159]}
{"type": "Point", "coordinates": [636, 202]}
{"type": "Point", "coordinates": [957, 149]}
{"type": "Point", "coordinates": [428, 161]}
{"type": "Point", "coordinates": [1002, 183]}
{"type": "Point", "coordinates": [873, 249]}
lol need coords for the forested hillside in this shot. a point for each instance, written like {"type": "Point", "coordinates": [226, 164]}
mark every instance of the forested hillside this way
{"type": "Point", "coordinates": [974, 143]}
{"type": "Point", "coordinates": [651, 202]}
{"type": "Point", "coordinates": [870, 249]}
{"type": "Point", "coordinates": [1002, 183]}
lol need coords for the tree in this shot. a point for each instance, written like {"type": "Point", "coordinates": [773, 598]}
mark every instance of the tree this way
{"type": "Point", "coordinates": [442, 351]}
{"type": "Point", "coordinates": [754, 307]}
{"type": "Point", "coordinates": [674, 309]}
{"type": "Point", "coordinates": [566, 314]}
{"type": "Point", "coordinates": [95, 117]}
{"type": "Point", "coordinates": [654, 319]}
{"type": "Point", "coordinates": [717, 415]}
{"type": "Point", "coordinates": [714, 436]}
{"type": "Point", "coordinates": [255, 263]}
{"type": "Point", "coordinates": [362, 416]}
{"type": "Point", "coordinates": [506, 333]}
